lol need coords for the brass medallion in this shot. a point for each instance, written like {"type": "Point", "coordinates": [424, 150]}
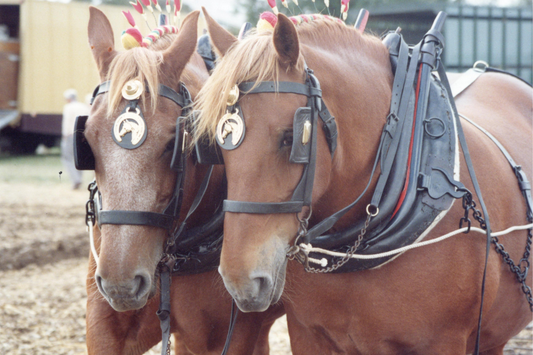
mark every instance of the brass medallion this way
{"type": "Point", "coordinates": [231, 124]}
{"type": "Point", "coordinates": [129, 130]}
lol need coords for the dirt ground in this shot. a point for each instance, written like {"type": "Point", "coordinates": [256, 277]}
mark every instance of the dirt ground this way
{"type": "Point", "coordinates": [43, 264]}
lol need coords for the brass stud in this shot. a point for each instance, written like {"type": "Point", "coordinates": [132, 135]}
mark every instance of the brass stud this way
{"type": "Point", "coordinates": [306, 134]}
{"type": "Point", "coordinates": [233, 96]}
{"type": "Point", "coordinates": [132, 90]}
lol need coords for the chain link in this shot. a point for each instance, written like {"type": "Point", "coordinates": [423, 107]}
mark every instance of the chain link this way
{"type": "Point", "coordinates": [89, 206]}
{"type": "Point", "coordinates": [296, 253]}
{"type": "Point", "coordinates": [521, 276]}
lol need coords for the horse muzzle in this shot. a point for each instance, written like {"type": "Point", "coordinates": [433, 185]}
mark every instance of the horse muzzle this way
{"type": "Point", "coordinates": [258, 291]}
{"type": "Point", "coordinates": [126, 295]}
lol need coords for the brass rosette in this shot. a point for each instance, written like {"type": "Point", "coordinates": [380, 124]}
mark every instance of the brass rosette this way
{"type": "Point", "coordinates": [132, 90]}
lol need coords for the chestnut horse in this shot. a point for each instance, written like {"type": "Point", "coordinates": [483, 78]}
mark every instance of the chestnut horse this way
{"type": "Point", "coordinates": [425, 301]}
{"type": "Point", "coordinates": [122, 282]}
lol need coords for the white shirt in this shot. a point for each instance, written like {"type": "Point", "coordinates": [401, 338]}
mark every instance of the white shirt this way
{"type": "Point", "coordinates": [70, 112]}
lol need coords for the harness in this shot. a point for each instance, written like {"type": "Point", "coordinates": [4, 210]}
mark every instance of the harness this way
{"type": "Point", "coordinates": [304, 143]}
{"type": "Point", "coordinates": [417, 147]}
{"type": "Point", "coordinates": [84, 160]}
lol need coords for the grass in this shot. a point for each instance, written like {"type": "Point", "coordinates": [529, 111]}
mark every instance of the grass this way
{"type": "Point", "coordinates": [41, 169]}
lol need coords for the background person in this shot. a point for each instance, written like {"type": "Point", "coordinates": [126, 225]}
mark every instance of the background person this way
{"type": "Point", "coordinates": [71, 110]}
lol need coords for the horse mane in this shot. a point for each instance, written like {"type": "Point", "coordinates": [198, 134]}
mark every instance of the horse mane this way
{"type": "Point", "coordinates": [254, 58]}
{"type": "Point", "coordinates": [140, 63]}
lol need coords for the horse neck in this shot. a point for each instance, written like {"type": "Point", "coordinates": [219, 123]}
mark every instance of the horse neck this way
{"type": "Point", "coordinates": [356, 81]}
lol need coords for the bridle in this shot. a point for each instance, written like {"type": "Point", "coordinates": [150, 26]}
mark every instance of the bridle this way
{"type": "Point", "coordinates": [304, 145]}
{"type": "Point", "coordinates": [84, 159]}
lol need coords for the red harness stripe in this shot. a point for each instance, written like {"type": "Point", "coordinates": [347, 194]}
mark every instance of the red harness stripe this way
{"type": "Point", "coordinates": [404, 191]}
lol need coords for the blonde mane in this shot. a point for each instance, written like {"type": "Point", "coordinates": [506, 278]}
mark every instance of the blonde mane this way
{"type": "Point", "coordinates": [137, 63]}
{"type": "Point", "coordinates": [255, 59]}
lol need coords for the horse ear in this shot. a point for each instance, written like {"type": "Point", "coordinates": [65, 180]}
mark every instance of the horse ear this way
{"type": "Point", "coordinates": [220, 37]}
{"type": "Point", "coordinates": [182, 48]}
{"type": "Point", "coordinates": [286, 41]}
{"type": "Point", "coordinates": [101, 40]}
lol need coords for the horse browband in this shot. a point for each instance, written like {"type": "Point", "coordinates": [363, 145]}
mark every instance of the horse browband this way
{"type": "Point", "coordinates": [183, 99]}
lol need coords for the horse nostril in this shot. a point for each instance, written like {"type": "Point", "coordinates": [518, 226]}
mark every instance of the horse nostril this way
{"type": "Point", "coordinates": [98, 279]}
{"type": "Point", "coordinates": [262, 285]}
{"type": "Point", "coordinates": [137, 287]}
{"type": "Point", "coordinates": [143, 283]}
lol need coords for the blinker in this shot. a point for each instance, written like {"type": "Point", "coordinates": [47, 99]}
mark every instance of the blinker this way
{"type": "Point", "coordinates": [302, 127]}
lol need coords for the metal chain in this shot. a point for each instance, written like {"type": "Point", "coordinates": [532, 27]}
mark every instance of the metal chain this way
{"type": "Point", "coordinates": [302, 257]}
{"type": "Point", "coordinates": [89, 206]}
{"type": "Point", "coordinates": [521, 276]}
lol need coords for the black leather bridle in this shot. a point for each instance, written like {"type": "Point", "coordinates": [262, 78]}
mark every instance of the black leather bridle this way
{"type": "Point", "coordinates": [84, 160]}
{"type": "Point", "coordinates": [300, 153]}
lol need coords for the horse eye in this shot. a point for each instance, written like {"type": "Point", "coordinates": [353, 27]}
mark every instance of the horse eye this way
{"type": "Point", "coordinates": [287, 139]}
{"type": "Point", "coordinates": [170, 145]}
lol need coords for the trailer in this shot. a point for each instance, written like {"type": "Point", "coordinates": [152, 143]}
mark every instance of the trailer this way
{"type": "Point", "coordinates": [44, 51]}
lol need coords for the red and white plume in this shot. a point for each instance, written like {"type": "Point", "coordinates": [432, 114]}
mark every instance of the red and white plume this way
{"type": "Point", "coordinates": [272, 4]}
{"type": "Point", "coordinates": [345, 5]}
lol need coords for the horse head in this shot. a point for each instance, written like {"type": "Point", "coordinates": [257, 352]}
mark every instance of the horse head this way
{"type": "Point", "coordinates": [269, 199]}
{"type": "Point", "coordinates": [138, 178]}
{"type": "Point", "coordinates": [253, 259]}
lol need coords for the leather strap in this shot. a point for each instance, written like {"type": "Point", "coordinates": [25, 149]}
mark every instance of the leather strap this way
{"type": "Point", "coordinates": [232, 321]}
{"type": "Point", "coordinates": [284, 87]}
{"type": "Point", "coordinates": [262, 207]}
{"type": "Point", "coordinates": [465, 80]}
{"type": "Point", "coordinates": [163, 313]}
{"type": "Point", "coordinates": [401, 96]}
{"type": "Point", "coordinates": [196, 202]}
{"type": "Point", "coordinates": [470, 166]}
{"type": "Point", "coordinates": [136, 218]}
{"type": "Point", "coordinates": [401, 107]}
{"type": "Point", "coordinates": [182, 99]}
{"type": "Point", "coordinates": [523, 183]}
{"type": "Point", "coordinates": [303, 192]}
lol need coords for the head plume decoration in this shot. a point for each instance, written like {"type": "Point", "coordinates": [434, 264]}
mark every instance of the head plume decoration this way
{"type": "Point", "coordinates": [267, 20]}
{"type": "Point", "coordinates": [345, 5]}
{"type": "Point", "coordinates": [132, 37]}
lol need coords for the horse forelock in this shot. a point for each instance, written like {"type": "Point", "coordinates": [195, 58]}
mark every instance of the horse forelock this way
{"type": "Point", "coordinates": [137, 63]}
{"type": "Point", "coordinates": [255, 59]}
